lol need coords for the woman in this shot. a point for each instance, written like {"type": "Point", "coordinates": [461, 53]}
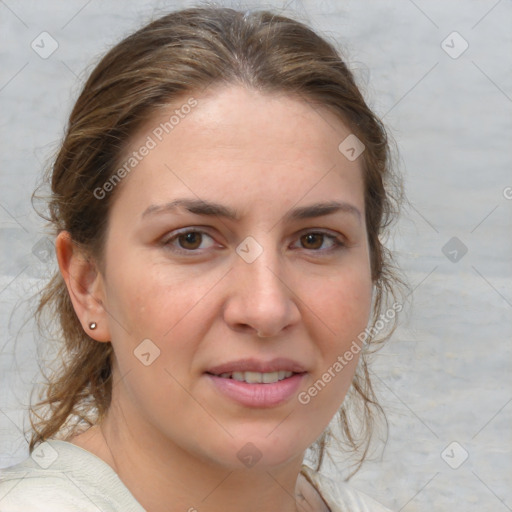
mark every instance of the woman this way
{"type": "Point", "coordinates": [217, 203]}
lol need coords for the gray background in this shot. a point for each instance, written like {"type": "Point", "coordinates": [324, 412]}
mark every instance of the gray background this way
{"type": "Point", "coordinates": [445, 376]}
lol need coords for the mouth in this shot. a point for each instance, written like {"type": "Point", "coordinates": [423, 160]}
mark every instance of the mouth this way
{"type": "Point", "coordinates": [256, 377]}
{"type": "Point", "coordinates": [257, 384]}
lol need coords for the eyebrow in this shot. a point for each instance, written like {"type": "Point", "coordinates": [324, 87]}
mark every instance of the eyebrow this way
{"type": "Point", "coordinates": [202, 207]}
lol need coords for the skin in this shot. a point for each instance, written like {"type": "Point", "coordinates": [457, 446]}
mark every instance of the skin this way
{"type": "Point", "coordinates": [169, 434]}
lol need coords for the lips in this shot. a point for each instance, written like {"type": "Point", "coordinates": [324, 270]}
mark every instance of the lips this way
{"type": "Point", "coordinates": [258, 384]}
{"type": "Point", "coordinates": [251, 365]}
{"type": "Point", "coordinates": [257, 377]}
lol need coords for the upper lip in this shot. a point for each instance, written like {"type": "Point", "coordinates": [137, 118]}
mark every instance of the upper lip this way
{"type": "Point", "coordinates": [255, 365]}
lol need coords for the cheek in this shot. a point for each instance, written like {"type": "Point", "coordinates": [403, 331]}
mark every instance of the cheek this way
{"type": "Point", "coordinates": [343, 305]}
{"type": "Point", "coordinates": [148, 301]}
{"type": "Point", "coordinates": [342, 311]}
{"type": "Point", "coordinates": [169, 309]}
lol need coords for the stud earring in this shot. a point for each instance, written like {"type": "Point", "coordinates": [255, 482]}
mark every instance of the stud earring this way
{"type": "Point", "coordinates": [93, 326]}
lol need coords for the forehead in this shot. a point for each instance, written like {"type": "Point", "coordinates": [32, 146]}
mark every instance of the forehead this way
{"type": "Point", "coordinates": [240, 143]}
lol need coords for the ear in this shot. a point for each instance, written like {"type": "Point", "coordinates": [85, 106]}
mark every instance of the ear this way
{"type": "Point", "coordinates": [85, 286]}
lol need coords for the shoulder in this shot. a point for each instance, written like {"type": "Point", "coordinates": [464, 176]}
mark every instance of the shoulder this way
{"type": "Point", "coordinates": [24, 487]}
{"type": "Point", "coordinates": [340, 496]}
{"type": "Point", "coordinates": [58, 477]}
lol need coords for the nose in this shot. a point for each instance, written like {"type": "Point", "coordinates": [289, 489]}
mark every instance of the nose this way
{"type": "Point", "coordinates": [262, 299]}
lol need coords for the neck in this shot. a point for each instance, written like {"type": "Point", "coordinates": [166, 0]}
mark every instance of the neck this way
{"type": "Point", "coordinates": [163, 476]}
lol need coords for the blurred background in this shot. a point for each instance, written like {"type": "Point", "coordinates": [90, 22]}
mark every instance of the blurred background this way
{"type": "Point", "coordinates": [439, 75]}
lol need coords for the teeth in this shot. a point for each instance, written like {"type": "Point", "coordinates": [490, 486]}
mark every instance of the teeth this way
{"type": "Point", "coordinates": [257, 377]}
{"type": "Point", "coordinates": [268, 378]}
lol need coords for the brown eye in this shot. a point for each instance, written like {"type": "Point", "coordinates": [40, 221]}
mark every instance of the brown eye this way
{"type": "Point", "coordinates": [313, 240]}
{"type": "Point", "coordinates": [321, 244]}
{"type": "Point", "coordinates": [191, 240]}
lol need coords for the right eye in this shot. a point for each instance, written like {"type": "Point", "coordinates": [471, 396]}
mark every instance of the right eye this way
{"type": "Point", "coordinates": [187, 241]}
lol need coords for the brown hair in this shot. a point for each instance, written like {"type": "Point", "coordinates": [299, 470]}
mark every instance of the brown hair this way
{"type": "Point", "coordinates": [178, 54]}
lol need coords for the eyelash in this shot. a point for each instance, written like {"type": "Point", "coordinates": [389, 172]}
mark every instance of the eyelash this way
{"type": "Point", "coordinates": [337, 243]}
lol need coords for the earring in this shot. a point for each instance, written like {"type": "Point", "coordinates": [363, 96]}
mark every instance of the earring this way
{"type": "Point", "coordinates": [93, 326]}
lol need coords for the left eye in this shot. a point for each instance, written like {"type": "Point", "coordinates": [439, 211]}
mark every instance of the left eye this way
{"type": "Point", "coordinates": [315, 240]}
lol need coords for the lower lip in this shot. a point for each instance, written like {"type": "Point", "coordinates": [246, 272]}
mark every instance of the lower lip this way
{"type": "Point", "coordinates": [258, 395]}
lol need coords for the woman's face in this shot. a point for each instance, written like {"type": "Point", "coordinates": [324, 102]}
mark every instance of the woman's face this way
{"type": "Point", "coordinates": [237, 244]}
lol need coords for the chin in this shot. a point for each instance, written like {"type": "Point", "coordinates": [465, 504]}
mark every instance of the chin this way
{"type": "Point", "coordinates": [265, 449]}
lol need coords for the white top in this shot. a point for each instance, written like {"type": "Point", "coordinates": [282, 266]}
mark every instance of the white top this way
{"type": "Point", "coordinates": [62, 477]}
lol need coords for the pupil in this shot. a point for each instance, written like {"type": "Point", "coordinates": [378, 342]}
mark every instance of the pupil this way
{"type": "Point", "coordinates": [192, 238]}
{"type": "Point", "coordinates": [311, 239]}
